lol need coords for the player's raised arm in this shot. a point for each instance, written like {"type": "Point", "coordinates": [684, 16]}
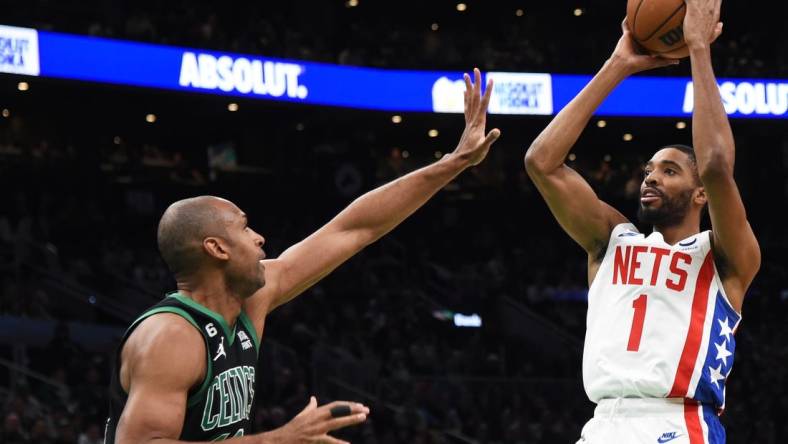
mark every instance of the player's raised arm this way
{"type": "Point", "coordinates": [736, 250]}
{"type": "Point", "coordinates": [571, 199]}
{"type": "Point", "coordinates": [375, 213]}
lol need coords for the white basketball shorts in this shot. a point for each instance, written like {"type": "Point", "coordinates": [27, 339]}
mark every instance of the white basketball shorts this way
{"type": "Point", "coordinates": [653, 421]}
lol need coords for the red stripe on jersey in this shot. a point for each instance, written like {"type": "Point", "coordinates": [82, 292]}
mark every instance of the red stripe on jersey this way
{"type": "Point", "coordinates": [692, 419]}
{"type": "Point", "coordinates": [695, 332]}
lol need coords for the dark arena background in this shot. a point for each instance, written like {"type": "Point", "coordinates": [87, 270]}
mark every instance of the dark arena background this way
{"type": "Point", "coordinates": [87, 166]}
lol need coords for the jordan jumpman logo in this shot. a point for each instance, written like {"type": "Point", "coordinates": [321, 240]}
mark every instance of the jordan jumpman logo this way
{"type": "Point", "coordinates": [220, 351]}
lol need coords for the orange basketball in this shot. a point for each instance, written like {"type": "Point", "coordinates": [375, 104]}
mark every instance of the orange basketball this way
{"type": "Point", "coordinates": [657, 25]}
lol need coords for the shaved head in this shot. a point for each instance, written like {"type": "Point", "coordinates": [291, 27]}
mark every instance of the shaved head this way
{"type": "Point", "coordinates": [184, 226]}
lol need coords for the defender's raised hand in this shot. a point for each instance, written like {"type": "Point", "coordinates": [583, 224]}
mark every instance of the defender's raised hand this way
{"type": "Point", "coordinates": [474, 144]}
{"type": "Point", "coordinates": [373, 214]}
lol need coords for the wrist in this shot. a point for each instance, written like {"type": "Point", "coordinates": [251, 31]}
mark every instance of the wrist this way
{"type": "Point", "coordinates": [617, 66]}
{"type": "Point", "coordinates": [455, 162]}
{"type": "Point", "coordinates": [698, 47]}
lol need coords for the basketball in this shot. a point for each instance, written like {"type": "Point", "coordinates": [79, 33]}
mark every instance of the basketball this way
{"type": "Point", "coordinates": [657, 25]}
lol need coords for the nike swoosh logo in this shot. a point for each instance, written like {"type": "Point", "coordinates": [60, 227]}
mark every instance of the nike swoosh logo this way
{"type": "Point", "coordinates": [664, 440]}
{"type": "Point", "coordinates": [688, 243]}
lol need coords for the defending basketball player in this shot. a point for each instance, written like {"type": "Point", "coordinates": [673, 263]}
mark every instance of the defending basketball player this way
{"type": "Point", "coordinates": [662, 307]}
{"type": "Point", "coordinates": [187, 366]}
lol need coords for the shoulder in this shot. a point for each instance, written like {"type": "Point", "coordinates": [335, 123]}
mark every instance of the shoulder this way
{"type": "Point", "coordinates": [623, 229]}
{"type": "Point", "coordinates": [167, 346]}
{"type": "Point", "coordinates": [167, 330]}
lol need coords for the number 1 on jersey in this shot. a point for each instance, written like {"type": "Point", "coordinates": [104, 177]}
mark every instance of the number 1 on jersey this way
{"type": "Point", "coordinates": [639, 305]}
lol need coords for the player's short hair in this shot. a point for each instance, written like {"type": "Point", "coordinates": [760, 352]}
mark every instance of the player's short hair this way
{"type": "Point", "coordinates": [182, 229]}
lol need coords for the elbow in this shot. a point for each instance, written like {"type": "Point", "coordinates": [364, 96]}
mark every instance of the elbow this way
{"type": "Point", "coordinates": [369, 237]}
{"type": "Point", "coordinates": [538, 163]}
{"type": "Point", "coordinates": [360, 238]}
{"type": "Point", "coordinates": [533, 165]}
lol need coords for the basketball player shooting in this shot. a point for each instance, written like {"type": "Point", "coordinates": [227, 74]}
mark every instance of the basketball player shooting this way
{"type": "Point", "coordinates": [186, 367]}
{"type": "Point", "coordinates": [662, 307]}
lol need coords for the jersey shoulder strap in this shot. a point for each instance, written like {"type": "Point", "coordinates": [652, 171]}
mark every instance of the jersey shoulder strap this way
{"type": "Point", "coordinates": [618, 233]}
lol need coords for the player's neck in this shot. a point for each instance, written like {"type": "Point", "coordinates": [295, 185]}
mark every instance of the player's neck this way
{"type": "Point", "coordinates": [676, 233]}
{"type": "Point", "coordinates": [214, 295]}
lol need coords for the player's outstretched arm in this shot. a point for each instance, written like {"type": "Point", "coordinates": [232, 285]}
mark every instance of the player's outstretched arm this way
{"type": "Point", "coordinates": [375, 213]}
{"type": "Point", "coordinates": [571, 199]}
{"type": "Point", "coordinates": [736, 250]}
{"type": "Point", "coordinates": [165, 357]}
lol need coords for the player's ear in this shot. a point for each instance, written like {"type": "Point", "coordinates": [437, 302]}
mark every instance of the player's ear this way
{"type": "Point", "coordinates": [700, 196]}
{"type": "Point", "coordinates": [216, 248]}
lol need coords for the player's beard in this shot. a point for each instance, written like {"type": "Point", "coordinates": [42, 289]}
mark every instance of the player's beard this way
{"type": "Point", "coordinates": [670, 213]}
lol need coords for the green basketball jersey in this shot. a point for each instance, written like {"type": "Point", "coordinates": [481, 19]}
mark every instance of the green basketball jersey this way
{"type": "Point", "coordinates": [220, 407]}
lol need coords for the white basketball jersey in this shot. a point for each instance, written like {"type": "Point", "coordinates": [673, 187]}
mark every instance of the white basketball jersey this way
{"type": "Point", "coordinates": [659, 323]}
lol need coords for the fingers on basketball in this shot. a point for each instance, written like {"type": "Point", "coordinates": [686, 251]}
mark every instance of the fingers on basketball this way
{"type": "Point", "coordinates": [657, 25]}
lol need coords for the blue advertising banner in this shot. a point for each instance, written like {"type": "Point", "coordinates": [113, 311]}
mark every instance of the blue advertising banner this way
{"type": "Point", "coordinates": [47, 54]}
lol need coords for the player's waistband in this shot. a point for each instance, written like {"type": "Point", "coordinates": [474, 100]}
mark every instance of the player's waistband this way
{"type": "Point", "coordinates": [642, 406]}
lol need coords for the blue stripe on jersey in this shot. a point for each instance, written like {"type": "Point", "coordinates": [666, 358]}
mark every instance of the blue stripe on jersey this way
{"type": "Point", "coordinates": [716, 430]}
{"type": "Point", "coordinates": [719, 355]}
